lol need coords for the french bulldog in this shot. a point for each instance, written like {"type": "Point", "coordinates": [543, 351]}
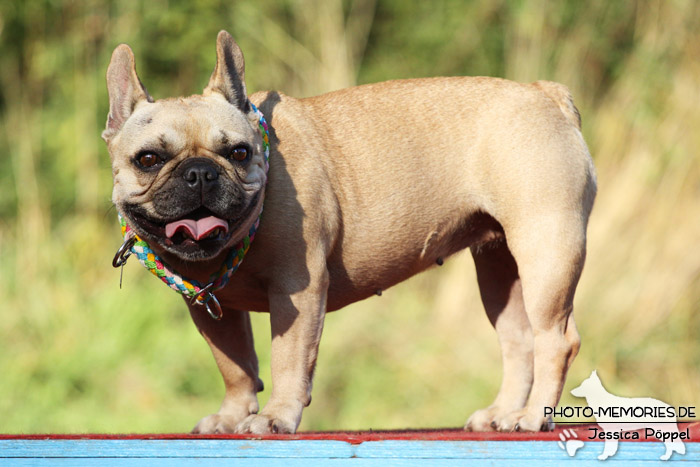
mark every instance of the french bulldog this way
{"type": "Point", "coordinates": [367, 186]}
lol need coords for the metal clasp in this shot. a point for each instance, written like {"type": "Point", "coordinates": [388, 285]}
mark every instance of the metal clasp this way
{"type": "Point", "coordinates": [124, 252]}
{"type": "Point", "coordinates": [209, 301]}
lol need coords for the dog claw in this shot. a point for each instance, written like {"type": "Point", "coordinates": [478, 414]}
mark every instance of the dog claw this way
{"type": "Point", "coordinates": [494, 425]}
{"type": "Point", "coordinates": [517, 427]}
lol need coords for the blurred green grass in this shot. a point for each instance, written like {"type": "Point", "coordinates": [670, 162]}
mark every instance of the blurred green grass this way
{"type": "Point", "coordinates": [78, 354]}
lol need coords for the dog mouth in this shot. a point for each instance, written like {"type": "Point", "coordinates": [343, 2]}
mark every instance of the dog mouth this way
{"type": "Point", "coordinates": [196, 227]}
{"type": "Point", "coordinates": [198, 235]}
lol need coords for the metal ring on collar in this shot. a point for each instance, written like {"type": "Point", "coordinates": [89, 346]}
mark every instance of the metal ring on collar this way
{"type": "Point", "coordinates": [123, 252]}
{"type": "Point", "coordinates": [217, 313]}
{"type": "Point", "coordinates": [209, 301]}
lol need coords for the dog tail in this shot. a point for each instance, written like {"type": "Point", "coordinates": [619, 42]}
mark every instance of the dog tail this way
{"type": "Point", "coordinates": [561, 96]}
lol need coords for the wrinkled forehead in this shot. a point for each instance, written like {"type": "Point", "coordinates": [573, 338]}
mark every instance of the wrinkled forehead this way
{"type": "Point", "coordinates": [207, 121]}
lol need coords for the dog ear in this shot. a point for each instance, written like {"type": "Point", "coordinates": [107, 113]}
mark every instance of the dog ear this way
{"type": "Point", "coordinates": [228, 78]}
{"type": "Point", "coordinates": [125, 90]}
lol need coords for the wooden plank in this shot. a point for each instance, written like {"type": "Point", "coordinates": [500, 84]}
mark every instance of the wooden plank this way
{"type": "Point", "coordinates": [537, 451]}
{"type": "Point", "coordinates": [439, 448]}
{"type": "Point", "coordinates": [276, 462]}
{"type": "Point", "coordinates": [252, 462]}
{"type": "Point", "coordinates": [291, 453]}
{"type": "Point", "coordinates": [202, 448]}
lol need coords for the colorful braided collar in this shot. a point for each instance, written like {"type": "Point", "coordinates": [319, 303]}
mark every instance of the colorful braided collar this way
{"type": "Point", "coordinates": [201, 294]}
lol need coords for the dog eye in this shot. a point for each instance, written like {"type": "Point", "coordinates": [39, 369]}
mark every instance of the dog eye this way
{"type": "Point", "coordinates": [148, 160]}
{"type": "Point", "coordinates": [239, 154]}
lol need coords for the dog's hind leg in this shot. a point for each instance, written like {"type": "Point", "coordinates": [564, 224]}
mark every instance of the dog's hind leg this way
{"type": "Point", "coordinates": [501, 294]}
{"type": "Point", "coordinates": [549, 249]}
{"type": "Point", "coordinates": [231, 342]}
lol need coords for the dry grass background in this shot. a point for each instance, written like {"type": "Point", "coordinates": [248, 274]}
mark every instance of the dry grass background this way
{"type": "Point", "coordinates": [77, 354]}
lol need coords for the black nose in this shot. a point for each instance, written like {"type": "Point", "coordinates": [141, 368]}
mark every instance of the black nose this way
{"type": "Point", "coordinates": [200, 174]}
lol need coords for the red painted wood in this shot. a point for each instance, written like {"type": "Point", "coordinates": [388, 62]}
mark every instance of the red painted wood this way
{"type": "Point", "coordinates": [357, 437]}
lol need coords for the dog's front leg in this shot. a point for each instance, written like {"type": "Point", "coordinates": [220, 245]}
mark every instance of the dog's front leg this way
{"type": "Point", "coordinates": [296, 320]}
{"type": "Point", "coordinates": [231, 342]}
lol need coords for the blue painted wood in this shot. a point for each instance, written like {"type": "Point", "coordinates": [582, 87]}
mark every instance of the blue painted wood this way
{"type": "Point", "coordinates": [251, 462]}
{"type": "Point", "coordinates": [541, 450]}
{"type": "Point", "coordinates": [537, 451]}
{"type": "Point", "coordinates": [276, 462]}
{"type": "Point", "coordinates": [306, 453]}
{"type": "Point", "coordinates": [201, 448]}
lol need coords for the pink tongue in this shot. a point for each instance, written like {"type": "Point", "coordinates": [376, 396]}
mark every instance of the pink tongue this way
{"type": "Point", "coordinates": [197, 229]}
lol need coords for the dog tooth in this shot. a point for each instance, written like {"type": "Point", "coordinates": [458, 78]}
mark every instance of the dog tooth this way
{"type": "Point", "coordinates": [214, 233]}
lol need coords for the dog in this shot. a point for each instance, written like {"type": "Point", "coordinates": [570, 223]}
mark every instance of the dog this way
{"type": "Point", "coordinates": [662, 427]}
{"type": "Point", "coordinates": [367, 186]}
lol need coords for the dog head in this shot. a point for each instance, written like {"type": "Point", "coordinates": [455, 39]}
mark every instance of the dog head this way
{"type": "Point", "coordinates": [189, 173]}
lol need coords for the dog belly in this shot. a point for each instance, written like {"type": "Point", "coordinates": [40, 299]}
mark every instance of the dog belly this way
{"type": "Point", "coordinates": [366, 266]}
{"type": "Point", "coordinates": [405, 189]}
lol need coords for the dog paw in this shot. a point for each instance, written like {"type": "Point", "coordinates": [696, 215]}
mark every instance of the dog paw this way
{"type": "Point", "coordinates": [485, 419]}
{"type": "Point", "coordinates": [276, 417]}
{"type": "Point", "coordinates": [525, 420]}
{"type": "Point", "coordinates": [225, 421]}
{"type": "Point", "coordinates": [216, 424]}
{"type": "Point", "coordinates": [265, 425]}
